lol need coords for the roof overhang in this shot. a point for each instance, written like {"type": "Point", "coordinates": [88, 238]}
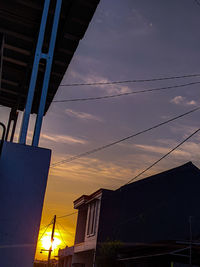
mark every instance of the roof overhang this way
{"type": "Point", "coordinates": [19, 27]}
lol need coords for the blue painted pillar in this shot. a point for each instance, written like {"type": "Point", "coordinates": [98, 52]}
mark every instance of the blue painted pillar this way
{"type": "Point", "coordinates": [29, 101]}
{"type": "Point", "coordinates": [48, 57]}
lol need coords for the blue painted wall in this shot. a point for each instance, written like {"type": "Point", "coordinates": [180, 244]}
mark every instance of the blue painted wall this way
{"type": "Point", "coordinates": [23, 176]}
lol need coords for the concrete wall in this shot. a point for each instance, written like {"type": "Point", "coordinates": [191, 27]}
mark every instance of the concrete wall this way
{"type": "Point", "coordinates": [23, 176]}
{"type": "Point", "coordinates": [81, 225]}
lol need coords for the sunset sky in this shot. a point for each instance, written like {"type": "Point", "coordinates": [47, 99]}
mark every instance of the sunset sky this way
{"type": "Point", "coordinates": [126, 40]}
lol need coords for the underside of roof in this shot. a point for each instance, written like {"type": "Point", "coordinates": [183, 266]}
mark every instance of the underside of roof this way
{"type": "Point", "coordinates": [19, 27]}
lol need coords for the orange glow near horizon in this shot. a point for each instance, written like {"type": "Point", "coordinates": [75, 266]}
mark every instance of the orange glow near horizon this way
{"type": "Point", "coordinates": [46, 242]}
{"type": "Point", "coordinates": [61, 239]}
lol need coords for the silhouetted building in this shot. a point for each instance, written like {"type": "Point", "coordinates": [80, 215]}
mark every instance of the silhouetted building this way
{"type": "Point", "coordinates": [37, 42]}
{"type": "Point", "coordinates": [152, 215]}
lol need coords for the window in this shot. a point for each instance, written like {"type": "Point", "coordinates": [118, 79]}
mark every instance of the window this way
{"type": "Point", "coordinates": [92, 218]}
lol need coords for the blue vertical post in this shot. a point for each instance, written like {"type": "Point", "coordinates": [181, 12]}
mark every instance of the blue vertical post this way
{"type": "Point", "coordinates": [3, 136]}
{"type": "Point", "coordinates": [38, 52]}
{"type": "Point", "coordinates": [49, 58]}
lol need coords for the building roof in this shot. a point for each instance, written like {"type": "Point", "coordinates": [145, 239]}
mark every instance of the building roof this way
{"type": "Point", "coordinates": [129, 187]}
{"type": "Point", "coordinates": [19, 27]}
{"type": "Point", "coordinates": [189, 166]}
{"type": "Point", "coordinates": [84, 199]}
{"type": "Point", "coordinates": [153, 209]}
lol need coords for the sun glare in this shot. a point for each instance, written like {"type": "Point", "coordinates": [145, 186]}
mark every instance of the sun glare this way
{"type": "Point", "coordinates": [46, 242]}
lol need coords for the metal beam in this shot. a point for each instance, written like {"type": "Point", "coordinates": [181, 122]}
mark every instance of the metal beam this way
{"type": "Point", "coordinates": [2, 136]}
{"type": "Point", "coordinates": [29, 101]}
{"type": "Point", "coordinates": [17, 35]}
{"type": "Point", "coordinates": [9, 82]}
{"type": "Point", "coordinates": [60, 63]}
{"type": "Point", "coordinates": [2, 43]}
{"type": "Point", "coordinates": [30, 4]}
{"type": "Point", "coordinates": [8, 91]}
{"type": "Point", "coordinates": [66, 51]}
{"type": "Point", "coordinates": [14, 61]}
{"type": "Point", "coordinates": [17, 49]}
{"type": "Point", "coordinates": [71, 37]}
{"type": "Point", "coordinates": [49, 60]}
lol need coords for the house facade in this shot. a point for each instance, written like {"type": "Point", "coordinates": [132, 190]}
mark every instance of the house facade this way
{"type": "Point", "coordinates": [84, 250]}
{"type": "Point", "coordinates": [149, 216]}
{"type": "Point", "coordinates": [37, 42]}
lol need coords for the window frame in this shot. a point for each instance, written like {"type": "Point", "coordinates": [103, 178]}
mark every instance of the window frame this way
{"type": "Point", "coordinates": [92, 218]}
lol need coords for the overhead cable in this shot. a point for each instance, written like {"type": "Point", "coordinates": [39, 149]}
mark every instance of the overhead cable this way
{"type": "Point", "coordinates": [61, 235]}
{"type": "Point", "coordinates": [67, 215]}
{"type": "Point", "coordinates": [157, 161]}
{"type": "Point", "coordinates": [120, 140]}
{"type": "Point", "coordinates": [41, 228]}
{"type": "Point", "coordinates": [135, 80]}
{"type": "Point", "coordinates": [66, 232]}
{"type": "Point", "coordinates": [154, 255]}
{"type": "Point", "coordinates": [125, 94]}
{"type": "Point", "coordinates": [45, 230]}
{"type": "Point", "coordinates": [167, 154]}
{"type": "Point", "coordinates": [197, 2]}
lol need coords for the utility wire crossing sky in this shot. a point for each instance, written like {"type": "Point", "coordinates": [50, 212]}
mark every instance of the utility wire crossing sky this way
{"type": "Point", "coordinates": [121, 140]}
{"type": "Point", "coordinates": [128, 44]}
{"type": "Point", "coordinates": [135, 80]}
{"type": "Point", "coordinates": [128, 93]}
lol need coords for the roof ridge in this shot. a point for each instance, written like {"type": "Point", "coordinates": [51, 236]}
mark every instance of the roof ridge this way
{"type": "Point", "coordinates": [185, 166]}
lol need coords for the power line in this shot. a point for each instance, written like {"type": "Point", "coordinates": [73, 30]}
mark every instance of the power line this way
{"type": "Point", "coordinates": [154, 255]}
{"type": "Point", "coordinates": [168, 153]}
{"type": "Point", "coordinates": [120, 140]}
{"type": "Point", "coordinates": [45, 231]}
{"type": "Point", "coordinates": [197, 2]}
{"type": "Point", "coordinates": [131, 180]}
{"type": "Point", "coordinates": [63, 216]}
{"type": "Point", "coordinates": [41, 228]}
{"type": "Point", "coordinates": [157, 161]}
{"type": "Point", "coordinates": [125, 94]}
{"type": "Point", "coordinates": [67, 215]}
{"type": "Point", "coordinates": [134, 81]}
{"type": "Point", "coordinates": [67, 232]}
{"type": "Point", "coordinates": [61, 235]}
{"type": "Point", "coordinates": [62, 227]}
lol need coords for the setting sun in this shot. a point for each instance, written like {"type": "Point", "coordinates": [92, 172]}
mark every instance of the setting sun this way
{"type": "Point", "coordinates": [46, 242]}
{"type": "Point", "coordinates": [62, 238]}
